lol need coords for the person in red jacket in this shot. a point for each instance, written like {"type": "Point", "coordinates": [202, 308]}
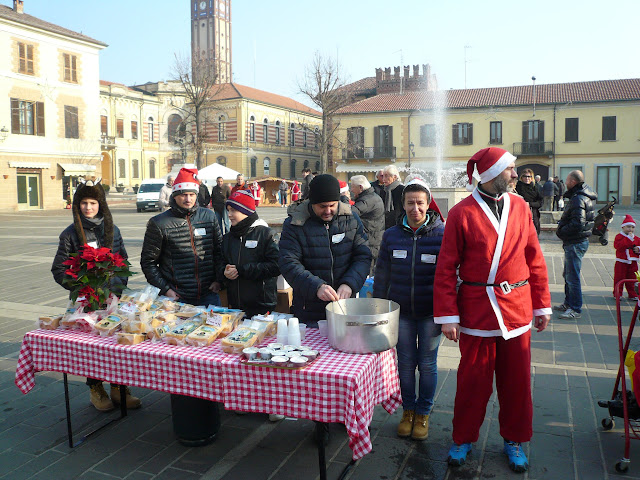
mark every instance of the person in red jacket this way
{"type": "Point", "coordinates": [295, 192]}
{"type": "Point", "coordinates": [627, 247]}
{"type": "Point", "coordinates": [491, 244]}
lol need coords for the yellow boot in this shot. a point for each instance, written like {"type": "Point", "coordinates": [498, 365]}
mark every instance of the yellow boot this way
{"type": "Point", "coordinates": [406, 424]}
{"type": "Point", "coordinates": [420, 427]}
{"type": "Point", "coordinates": [132, 402]}
{"type": "Point", "coordinates": [99, 398]}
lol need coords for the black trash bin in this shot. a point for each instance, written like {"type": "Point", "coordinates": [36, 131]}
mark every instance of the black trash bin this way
{"type": "Point", "coordinates": [195, 421]}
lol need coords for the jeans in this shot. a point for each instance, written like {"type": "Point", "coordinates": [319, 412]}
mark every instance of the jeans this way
{"type": "Point", "coordinates": [547, 203]}
{"type": "Point", "coordinates": [223, 221]}
{"type": "Point", "coordinates": [571, 273]}
{"type": "Point", "coordinates": [418, 340]}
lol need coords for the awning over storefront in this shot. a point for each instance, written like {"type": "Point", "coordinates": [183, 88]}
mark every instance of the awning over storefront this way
{"type": "Point", "coordinates": [40, 165]}
{"type": "Point", "coordinates": [364, 167]}
{"type": "Point", "coordinates": [77, 169]}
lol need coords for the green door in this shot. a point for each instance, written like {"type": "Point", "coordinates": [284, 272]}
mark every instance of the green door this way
{"type": "Point", "coordinates": [28, 191]}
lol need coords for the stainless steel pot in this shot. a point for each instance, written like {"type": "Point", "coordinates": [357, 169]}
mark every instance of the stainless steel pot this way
{"type": "Point", "coordinates": [363, 325]}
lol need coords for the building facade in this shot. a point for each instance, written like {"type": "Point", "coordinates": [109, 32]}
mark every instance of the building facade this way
{"type": "Point", "coordinates": [48, 132]}
{"type": "Point", "coordinates": [553, 129]}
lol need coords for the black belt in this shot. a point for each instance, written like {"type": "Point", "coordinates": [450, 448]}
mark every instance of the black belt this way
{"type": "Point", "coordinates": [505, 286]}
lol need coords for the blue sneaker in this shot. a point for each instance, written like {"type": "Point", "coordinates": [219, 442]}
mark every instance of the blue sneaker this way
{"type": "Point", "coordinates": [517, 459]}
{"type": "Point", "coordinates": [458, 454]}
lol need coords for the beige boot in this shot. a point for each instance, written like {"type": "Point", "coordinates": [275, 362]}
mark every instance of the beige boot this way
{"type": "Point", "coordinates": [132, 402]}
{"type": "Point", "coordinates": [406, 424]}
{"type": "Point", "coordinates": [100, 399]}
{"type": "Point", "coordinates": [420, 427]}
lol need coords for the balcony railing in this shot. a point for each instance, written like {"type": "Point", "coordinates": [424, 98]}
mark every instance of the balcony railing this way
{"type": "Point", "coordinates": [107, 143]}
{"type": "Point", "coordinates": [532, 148]}
{"type": "Point", "coordinates": [368, 153]}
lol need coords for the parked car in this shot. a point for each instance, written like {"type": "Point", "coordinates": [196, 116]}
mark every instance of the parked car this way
{"type": "Point", "coordinates": [149, 194]}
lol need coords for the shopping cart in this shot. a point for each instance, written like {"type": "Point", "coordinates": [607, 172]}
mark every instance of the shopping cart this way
{"type": "Point", "coordinates": [623, 403]}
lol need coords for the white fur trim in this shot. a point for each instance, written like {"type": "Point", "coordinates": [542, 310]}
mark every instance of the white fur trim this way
{"type": "Point", "coordinates": [542, 311]}
{"type": "Point", "coordinates": [185, 186]}
{"type": "Point", "coordinates": [481, 333]}
{"type": "Point", "coordinates": [447, 319]}
{"type": "Point", "coordinates": [417, 181]}
{"type": "Point", "coordinates": [469, 187]}
{"type": "Point", "coordinates": [497, 168]}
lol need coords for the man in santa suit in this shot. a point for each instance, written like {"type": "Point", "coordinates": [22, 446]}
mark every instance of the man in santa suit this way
{"type": "Point", "coordinates": [627, 246]}
{"type": "Point", "coordinates": [491, 243]}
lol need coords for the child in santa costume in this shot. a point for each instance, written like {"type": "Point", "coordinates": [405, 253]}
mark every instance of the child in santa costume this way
{"type": "Point", "coordinates": [627, 247]}
{"type": "Point", "coordinates": [491, 243]}
{"type": "Point", "coordinates": [256, 192]}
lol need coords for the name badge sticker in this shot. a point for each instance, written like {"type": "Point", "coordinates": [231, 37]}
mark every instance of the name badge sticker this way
{"type": "Point", "coordinates": [200, 232]}
{"type": "Point", "coordinates": [426, 258]}
{"type": "Point", "coordinates": [251, 243]}
{"type": "Point", "coordinates": [93, 244]}
{"type": "Point", "coordinates": [399, 254]}
{"type": "Point", "coordinates": [337, 238]}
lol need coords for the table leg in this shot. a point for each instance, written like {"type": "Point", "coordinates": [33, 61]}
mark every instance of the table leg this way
{"type": "Point", "coordinates": [66, 404]}
{"type": "Point", "coordinates": [321, 428]}
{"type": "Point", "coordinates": [123, 401]}
{"type": "Point", "coordinates": [346, 469]}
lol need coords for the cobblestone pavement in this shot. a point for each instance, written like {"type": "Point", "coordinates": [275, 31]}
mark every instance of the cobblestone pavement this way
{"type": "Point", "coordinates": [574, 365]}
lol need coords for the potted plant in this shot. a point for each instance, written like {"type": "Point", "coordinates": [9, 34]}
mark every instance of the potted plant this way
{"type": "Point", "coordinates": [120, 188]}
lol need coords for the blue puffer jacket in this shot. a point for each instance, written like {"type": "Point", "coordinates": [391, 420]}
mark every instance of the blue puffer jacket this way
{"type": "Point", "coordinates": [314, 253]}
{"type": "Point", "coordinates": [407, 265]}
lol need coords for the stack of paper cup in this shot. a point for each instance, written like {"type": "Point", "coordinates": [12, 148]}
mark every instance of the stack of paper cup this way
{"type": "Point", "coordinates": [294, 332]}
{"type": "Point", "coordinates": [282, 334]}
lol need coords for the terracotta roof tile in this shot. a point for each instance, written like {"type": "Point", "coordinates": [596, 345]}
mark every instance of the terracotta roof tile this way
{"type": "Point", "coordinates": [228, 91]}
{"type": "Point", "coordinates": [579, 92]}
{"type": "Point", "coordinates": [9, 14]}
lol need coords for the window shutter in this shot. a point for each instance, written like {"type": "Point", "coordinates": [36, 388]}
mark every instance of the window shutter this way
{"type": "Point", "coordinates": [470, 134]}
{"type": "Point", "coordinates": [74, 74]}
{"type": "Point", "coordinates": [30, 59]}
{"type": "Point", "coordinates": [454, 134]}
{"type": "Point", "coordinates": [390, 139]}
{"type": "Point", "coordinates": [40, 119]}
{"type": "Point", "coordinates": [67, 122]}
{"type": "Point", "coordinates": [376, 137]}
{"type": "Point", "coordinates": [103, 124]}
{"type": "Point", "coordinates": [15, 115]}
{"type": "Point", "coordinates": [23, 58]}
{"type": "Point", "coordinates": [541, 131]}
{"type": "Point", "coordinates": [525, 131]}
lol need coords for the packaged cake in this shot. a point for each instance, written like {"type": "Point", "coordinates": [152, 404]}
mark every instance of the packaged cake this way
{"type": "Point", "coordinates": [177, 335]}
{"type": "Point", "coordinates": [202, 336]}
{"type": "Point", "coordinates": [242, 337]}
{"type": "Point", "coordinates": [109, 324]}
{"type": "Point", "coordinates": [49, 322]}
{"type": "Point", "coordinates": [130, 338]}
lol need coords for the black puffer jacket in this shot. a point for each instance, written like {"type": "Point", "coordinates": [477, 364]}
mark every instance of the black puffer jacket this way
{"type": "Point", "coordinates": [370, 209]}
{"type": "Point", "coordinates": [314, 253]}
{"type": "Point", "coordinates": [577, 220]}
{"type": "Point", "coordinates": [255, 256]}
{"type": "Point", "coordinates": [391, 218]}
{"type": "Point", "coordinates": [532, 196]}
{"type": "Point", "coordinates": [182, 251]}
{"type": "Point", "coordinates": [70, 243]}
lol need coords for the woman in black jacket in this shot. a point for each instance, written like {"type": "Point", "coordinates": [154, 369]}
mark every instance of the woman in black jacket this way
{"type": "Point", "coordinates": [526, 188]}
{"type": "Point", "coordinates": [251, 258]}
{"type": "Point", "coordinates": [92, 225]}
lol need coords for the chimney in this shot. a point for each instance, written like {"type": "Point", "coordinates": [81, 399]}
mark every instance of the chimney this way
{"type": "Point", "coordinates": [426, 71]}
{"type": "Point", "coordinates": [378, 74]}
{"type": "Point", "coordinates": [18, 6]}
{"type": "Point", "coordinates": [416, 71]}
{"type": "Point", "coordinates": [406, 71]}
{"type": "Point", "coordinates": [396, 72]}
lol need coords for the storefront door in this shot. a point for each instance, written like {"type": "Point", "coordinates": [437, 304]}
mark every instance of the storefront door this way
{"type": "Point", "coordinates": [608, 183]}
{"type": "Point", "coordinates": [28, 191]}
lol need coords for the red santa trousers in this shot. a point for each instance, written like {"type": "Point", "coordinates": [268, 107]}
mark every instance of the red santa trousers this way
{"type": "Point", "coordinates": [623, 271]}
{"type": "Point", "coordinates": [511, 362]}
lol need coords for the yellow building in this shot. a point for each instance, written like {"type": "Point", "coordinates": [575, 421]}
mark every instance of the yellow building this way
{"type": "Point", "coordinates": [553, 129]}
{"type": "Point", "coordinates": [48, 132]}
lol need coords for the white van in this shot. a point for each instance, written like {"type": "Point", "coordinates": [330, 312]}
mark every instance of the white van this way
{"type": "Point", "coordinates": [149, 194]}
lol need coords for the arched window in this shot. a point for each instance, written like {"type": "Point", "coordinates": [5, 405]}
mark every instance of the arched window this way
{"type": "Point", "coordinates": [122, 171]}
{"type": "Point", "coordinates": [305, 164]}
{"type": "Point", "coordinates": [254, 163]}
{"type": "Point", "coordinates": [292, 169]}
{"type": "Point", "coordinates": [135, 170]}
{"type": "Point", "coordinates": [152, 168]}
{"type": "Point", "coordinates": [173, 127]}
{"type": "Point", "coordinates": [222, 160]}
{"type": "Point", "coordinates": [277, 132]}
{"type": "Point", "coordinates": [267, 165]}
{"type": "Point", "coordinates": [150, 127]}
{"type": "Point", "coordinates": [318, 166]}
{"type": "Point", "coordinates": [222, 129]}
{"type": "Point", "coordinates": [279, 167]}
{"type": "Point", "coordinates": [252, 129]}
{"type": "Point", "coordinates": [292, 134]}
{"type": "Point", "coordinates": [265, 130]}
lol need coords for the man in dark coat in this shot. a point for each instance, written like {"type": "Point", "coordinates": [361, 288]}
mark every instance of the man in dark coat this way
{"type": "Point", "coordinates": [574, 229]}
{"type": "Point", "coordinates": [219, 195]}
{"type": "Point", "coordinates": [307, 177]}
{"type": "Point", "coordinates": [549, 191]}
{"type": "Point", "coordinates": [324, 253]}
{"type": "Point", "coordinates": [369, 207]}
{"type": "Point", "coordinates": [392, 196]}
{"type": "Point", "coordinates": [378, 184]}
{"type": "Point", "coordinates": [204, 198]}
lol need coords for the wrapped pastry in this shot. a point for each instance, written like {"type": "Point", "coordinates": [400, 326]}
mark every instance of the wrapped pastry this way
{"type": "Point", "coordinates": [177, 335]}
{"type": "Point", "coordinates": [240, 338]}
{"type": "Point", "coordinates": [130, 338]}
{"type": "Point", "coordinates": [202, 336]}
{"type": "Point", "coordinates": [49, 322]}
{"type": "Point", "coordinates": [109, 324]}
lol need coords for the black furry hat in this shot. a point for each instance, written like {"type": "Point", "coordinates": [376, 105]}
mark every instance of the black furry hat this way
{"type": "Point", "coordinates": [93, 190]}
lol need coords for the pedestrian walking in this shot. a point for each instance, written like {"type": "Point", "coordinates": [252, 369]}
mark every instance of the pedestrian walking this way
{"type": "Point", "coordinates": [219, 195]}
{"type": "Point", "coordinates": [369, 207]}
{"type": "Point", "coordinates": [392, 196]}
{"type": "Point", "coordinates": [549, 191]}
{"type": "Point", "coordinates": [283, 189]}
{"type": "Point", "coordinates": [165, 194]}
{"type": "Point", "coordinates": [527, 190]}
{"type": "Point", "coordinates": [295, 192]}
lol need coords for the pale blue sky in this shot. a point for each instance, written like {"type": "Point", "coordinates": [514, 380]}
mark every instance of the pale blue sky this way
{"type": "Point", "coordinates": [510, 40]}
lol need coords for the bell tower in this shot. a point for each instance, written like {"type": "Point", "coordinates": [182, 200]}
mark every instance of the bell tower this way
{"type": "Point", "coordinates": [211, 38]}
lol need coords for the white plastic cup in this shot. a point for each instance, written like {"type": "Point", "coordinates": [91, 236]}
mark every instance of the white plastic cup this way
{"type": "Point", "coordinates": [295, 337]}
{"type": "Point", "coordinates": [303, 330]}
{"type": "Point", "coordinates": [323, 328]}
{"type": "Point", "coordinates": [282, 334]}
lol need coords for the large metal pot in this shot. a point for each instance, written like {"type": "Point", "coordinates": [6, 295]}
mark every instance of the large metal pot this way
{"type": "Point", "coordinates": [363, 325]}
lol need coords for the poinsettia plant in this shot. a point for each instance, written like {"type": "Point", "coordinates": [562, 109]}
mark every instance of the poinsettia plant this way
{"type": "Point", "coordinates": [91, 275]}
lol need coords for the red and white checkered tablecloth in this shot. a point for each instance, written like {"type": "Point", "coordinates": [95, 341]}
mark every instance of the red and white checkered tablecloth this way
{"type": "Point", "coordinates": [338, 387]}
{"type": "Point", "coordinates": [195, 372]}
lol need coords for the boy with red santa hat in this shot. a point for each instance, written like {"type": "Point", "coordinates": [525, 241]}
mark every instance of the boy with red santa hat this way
{"type": "Point", "coordinates": [627, 247]}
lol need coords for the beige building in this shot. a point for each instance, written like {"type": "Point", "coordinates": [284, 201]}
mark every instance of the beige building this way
{"type": "Point", "coordinates": [553, 129]}
{"type": "Point", "coordinates": [48, 131]}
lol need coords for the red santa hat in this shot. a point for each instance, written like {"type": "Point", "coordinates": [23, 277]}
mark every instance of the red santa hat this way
{"type": "Point", "coordinates": [186, 181]}
{"type": "Point", "coordinates": [242, 201]}
{"type": "Point", "coordinates": [344, 188]}
{"type": "Point", "coordinates": [628, 220]}
{"type": "Point", "coordinates": [490, 163]}
{"type": "Point", "coordinates": [421, 183]}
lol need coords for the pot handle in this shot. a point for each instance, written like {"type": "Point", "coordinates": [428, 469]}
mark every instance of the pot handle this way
{"type": "Point", "coordinates": [366, 324]}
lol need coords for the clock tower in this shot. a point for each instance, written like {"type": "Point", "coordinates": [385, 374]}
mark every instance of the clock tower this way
{"type": "Point", "coordinates": [211, 38]}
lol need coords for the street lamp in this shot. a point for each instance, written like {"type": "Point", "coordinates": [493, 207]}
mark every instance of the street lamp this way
{"type": "Point", "coordinates": [412, 152]}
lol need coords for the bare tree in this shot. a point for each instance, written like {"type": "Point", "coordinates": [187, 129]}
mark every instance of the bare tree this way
{"type": "Point", "coordinates": [198, 81]}
{"type": "Point", "coordinates": [323, 83]}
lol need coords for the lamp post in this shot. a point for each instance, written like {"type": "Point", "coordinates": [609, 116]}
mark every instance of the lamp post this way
{"type": "Point", "coordinates": [412, 152]}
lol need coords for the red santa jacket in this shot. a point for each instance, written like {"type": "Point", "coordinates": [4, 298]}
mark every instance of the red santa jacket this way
{"type": "Point", "coordinates": [487, 251]}
{"type": "Point", "coordinates": [624, 244]}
